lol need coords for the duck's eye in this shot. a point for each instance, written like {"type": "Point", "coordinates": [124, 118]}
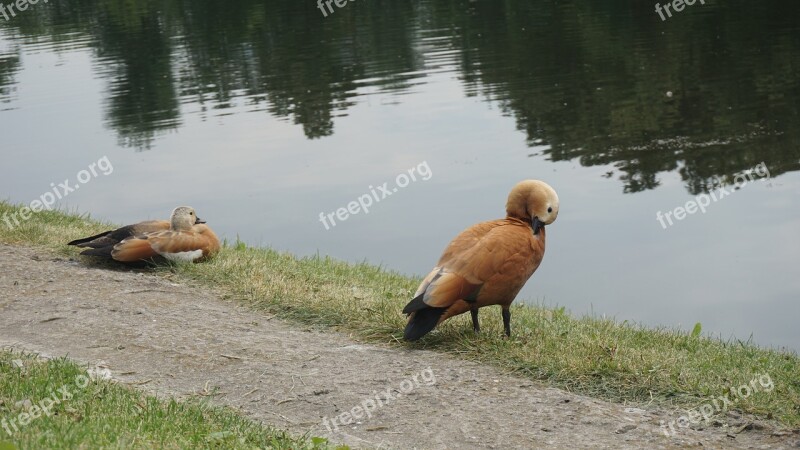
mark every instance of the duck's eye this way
{"type": "Point", "coordinates": [550, 209]}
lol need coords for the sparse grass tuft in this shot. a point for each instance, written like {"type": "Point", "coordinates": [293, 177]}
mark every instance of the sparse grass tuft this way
{"type": "Point", "coordinates": [602, 358]}
{"type": "Point", "coordinates": [86, 413]}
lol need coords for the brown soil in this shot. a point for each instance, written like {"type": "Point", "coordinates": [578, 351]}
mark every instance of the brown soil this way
{"type": "Point", "coordinates": [170, 339]}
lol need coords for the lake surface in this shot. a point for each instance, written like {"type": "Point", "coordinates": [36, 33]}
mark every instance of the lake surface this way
{"type": "Point", "coordinates": [267, 116]}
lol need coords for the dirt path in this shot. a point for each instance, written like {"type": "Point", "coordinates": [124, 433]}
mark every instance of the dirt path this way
{"type": "Point", "coordinates": [173, 339]}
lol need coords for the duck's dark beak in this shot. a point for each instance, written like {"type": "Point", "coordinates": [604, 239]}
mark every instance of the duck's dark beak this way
{"type": "Point", "coordinates": [198, 220]}
{"type": "Point", "coordinates": [537, 225]}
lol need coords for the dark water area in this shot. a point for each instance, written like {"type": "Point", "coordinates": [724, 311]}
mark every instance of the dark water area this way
{"type": "Point", "coordinates": [269, 116]}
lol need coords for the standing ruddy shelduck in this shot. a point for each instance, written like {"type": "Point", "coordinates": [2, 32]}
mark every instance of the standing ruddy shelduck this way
{"type": "Point", "coordinates": [487, 264]}
{"type": "Point", "coordinates": [185, 237]}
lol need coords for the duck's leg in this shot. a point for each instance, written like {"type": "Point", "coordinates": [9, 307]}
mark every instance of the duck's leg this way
{"type": "Point", "coordinates": [507, 320]}
{"type": "Point", "coordinates": [474, 311]}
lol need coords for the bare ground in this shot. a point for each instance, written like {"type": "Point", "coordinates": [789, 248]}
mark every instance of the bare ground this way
{"type": "Point", "coordinates": [170, 339]}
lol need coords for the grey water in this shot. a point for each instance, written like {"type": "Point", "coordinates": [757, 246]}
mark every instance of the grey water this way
{"type": "Point", "coordinates": [268, 116]}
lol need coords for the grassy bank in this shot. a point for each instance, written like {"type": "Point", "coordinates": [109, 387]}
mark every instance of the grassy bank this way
{"type": "Point", "coordinates": [597, 357]}
{"type": "Point", "coordinates": [55, 404]}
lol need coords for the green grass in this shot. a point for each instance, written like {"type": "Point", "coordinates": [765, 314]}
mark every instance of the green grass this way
{"type": "Point", "coordinates": [82, 413]}
{"type": "Point", "coordinates": [602, 358]}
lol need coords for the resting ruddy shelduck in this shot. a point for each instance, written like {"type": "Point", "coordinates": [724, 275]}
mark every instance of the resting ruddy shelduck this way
{"type": "Point", "coordinates": [487, 264]}
{"type": "Point", "coordinates": [185, 237]}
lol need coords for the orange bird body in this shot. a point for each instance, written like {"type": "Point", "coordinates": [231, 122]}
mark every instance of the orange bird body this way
{"type": "Point", "coordinates": [486, 264]}
{"type": "Point", "coordinates": [185, 237]}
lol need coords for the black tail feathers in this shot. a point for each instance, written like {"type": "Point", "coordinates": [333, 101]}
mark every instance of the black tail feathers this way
{"type": "Point", "coordinates": [104, 252]}
{"type": "Point", "coordinates": [415, 305]}
{"type": "Point", "coordinates": [82, 242]}
{"type": "Point", "coordinates": [422, 322]}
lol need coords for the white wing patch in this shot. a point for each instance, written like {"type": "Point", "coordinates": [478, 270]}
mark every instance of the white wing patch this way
{"type": "Point", "coordinates": [182, 256]}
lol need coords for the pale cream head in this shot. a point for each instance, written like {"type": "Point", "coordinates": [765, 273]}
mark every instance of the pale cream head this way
{"type": "Point", "coordinates": [533, 200]}
{"type": "Point", "coordinates": [183, 218]}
